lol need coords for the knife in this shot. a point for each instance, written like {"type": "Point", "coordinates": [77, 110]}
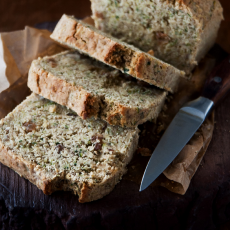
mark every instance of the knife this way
{"type": "Point", "coordinates": [187, 121]}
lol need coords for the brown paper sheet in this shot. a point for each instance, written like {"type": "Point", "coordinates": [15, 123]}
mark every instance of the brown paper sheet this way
{"type": "Point", "coordinates": [181, 170]}
{"type": "Point", "coordinates": [19, 48]}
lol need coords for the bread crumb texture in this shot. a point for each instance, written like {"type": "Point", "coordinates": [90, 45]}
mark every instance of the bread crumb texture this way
{"type": "Point", "coordinates": [56, 150]}
{"type": "Point", "coordinates": [93, 89]}
{"type": "Point", "coordinates": [113, 52]}
{"type": "Point", "coordinates": [179, 31]}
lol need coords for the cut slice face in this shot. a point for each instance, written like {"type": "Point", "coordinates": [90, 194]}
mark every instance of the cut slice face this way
{"type": "Point", "coordinates": [56, 150]}
{"type": "Point", "coordinates": [128, 59]}
{"type": "Point", "coordinates": [180, 32]}
{"type": "Point", "coordinates": [93, 89]}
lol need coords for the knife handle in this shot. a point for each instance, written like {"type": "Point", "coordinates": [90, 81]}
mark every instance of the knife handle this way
{"type": "Point", "coordinates": [218, 83]}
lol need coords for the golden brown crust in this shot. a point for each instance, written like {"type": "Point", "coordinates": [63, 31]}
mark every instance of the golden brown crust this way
{"type": "Point", "coordinates": [87, 192]}
{"type": "Point", "coordinates": [84, 194]}
{"type": "Point", "coordinates": [119, 115]}
{"type": "Point", "coordinates": [58, 90]}
{"type": "Point", "coordinates": [91, 192]}
{"type": "Point", "coordinates": [25, 169]}
{"type": "Point", "coordinates": [140, 68]}
{"type": "Point", "coordinates": [116, 56]}
{"type": "Point", "coordinates": [114, 53]}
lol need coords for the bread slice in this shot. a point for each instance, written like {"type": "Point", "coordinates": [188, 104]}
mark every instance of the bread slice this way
{"type": "Point", "coordinates": [55, 149]}
{"type": "Point", "coordinates": [180, 32]}
{"type": "Point", "coordinates": [85, 38]}
{"type": "Point", "coordinates": [91, 88]}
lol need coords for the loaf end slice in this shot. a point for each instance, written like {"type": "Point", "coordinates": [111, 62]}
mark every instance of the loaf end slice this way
{"type": "Point", "coordinates": [180, 32]}
{"type": "Point", "coordinates": [55, 149]}
{"type": "Point", "coordinates": [128, 59]}
{"type": "Point", "coordinates": [93, 89]}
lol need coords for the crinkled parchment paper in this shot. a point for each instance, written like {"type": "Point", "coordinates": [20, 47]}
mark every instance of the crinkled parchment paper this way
{"type": "Point", "coordinates": [18, 49]}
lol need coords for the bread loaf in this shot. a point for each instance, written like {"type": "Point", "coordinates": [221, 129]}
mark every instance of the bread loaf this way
{"type": "Point", "coordinates": [179, 31]}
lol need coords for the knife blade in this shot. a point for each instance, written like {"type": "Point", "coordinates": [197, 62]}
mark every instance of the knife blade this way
{"type": "Point", "coordinates": [186, 122]}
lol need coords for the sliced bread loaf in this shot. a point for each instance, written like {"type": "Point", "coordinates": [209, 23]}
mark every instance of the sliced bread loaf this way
{"type": "Point", "coordinates": [85, 38]}
{"type": "Point", "coordinates": [91, 88]}
{"type": "Point", "coordinates": [180, 31]}
{"type": "Point", "coordinates": [56, 150]}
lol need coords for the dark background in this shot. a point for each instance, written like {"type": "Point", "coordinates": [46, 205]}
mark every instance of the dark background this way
{"type": "Point", "coordinates": [15, 14]}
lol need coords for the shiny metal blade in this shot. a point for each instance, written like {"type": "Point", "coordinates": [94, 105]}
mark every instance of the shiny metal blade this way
{"type": "Point", "coordinates": [182, 128]}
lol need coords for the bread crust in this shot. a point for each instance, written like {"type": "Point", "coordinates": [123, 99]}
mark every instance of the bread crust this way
{"type": "Point", "coordinates": [25, 169]}
{"type": "Point", "coordinates": [199, 11]}
{"type": "Point", "coordinates": [87, 105]}
{"type": "Point", "coordinates": [90, 192]}
{"type": "Point", "coordinates": [87, 193]}
{"type": "Point", "coordinates": [62, 92]}
{"type": "Point", "coordinates": [86, 39]}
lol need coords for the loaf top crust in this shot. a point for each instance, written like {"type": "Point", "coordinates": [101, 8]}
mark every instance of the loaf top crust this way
{"type": "Point", "coordinates": [56, 141]}
{"type": "Point", "coordinates": [200, 10]}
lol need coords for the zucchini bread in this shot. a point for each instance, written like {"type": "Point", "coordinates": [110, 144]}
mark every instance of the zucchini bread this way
{"type": "Point", "coordinates": [93, 89]}
{"type": "Point", "coordinates": [179, 31]}
{"type": "Point", "coordinates": [56, 150]}
{"type": "Point", "coordinates": [85, 38]}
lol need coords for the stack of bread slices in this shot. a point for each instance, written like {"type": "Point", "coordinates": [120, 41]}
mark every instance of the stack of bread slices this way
{"type": "Point", "coordinates": [78, 130]}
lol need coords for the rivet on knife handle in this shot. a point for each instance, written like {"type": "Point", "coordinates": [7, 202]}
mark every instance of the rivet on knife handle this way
{"type": "Point", "coordinates": [218, 83]}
